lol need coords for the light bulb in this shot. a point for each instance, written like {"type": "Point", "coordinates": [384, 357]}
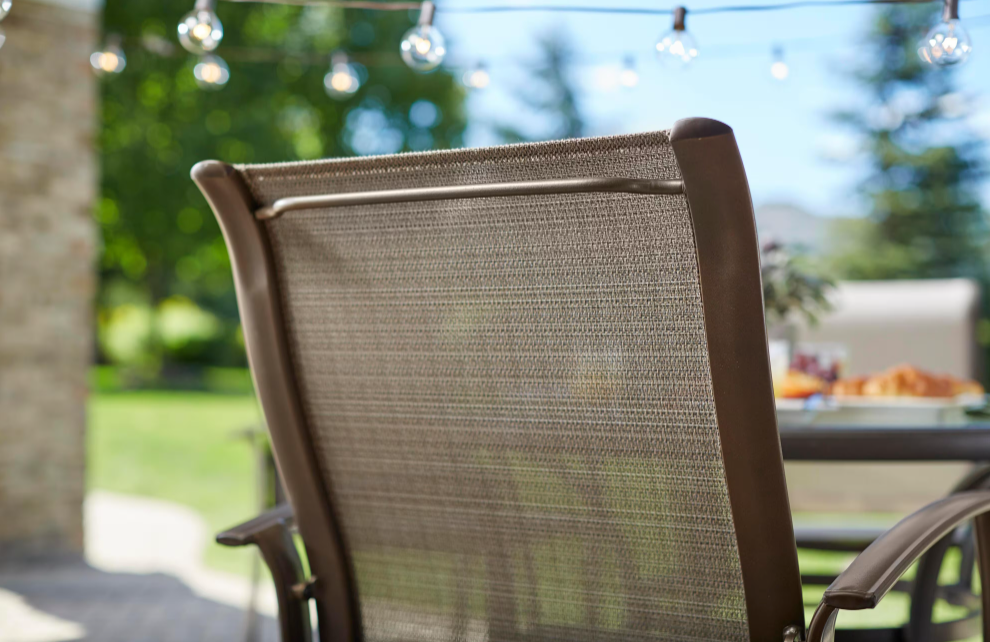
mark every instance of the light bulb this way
{"type": "Point", "coordinates": [779, 69]}
{"type": "Point", "coordinates": [946, 44]}
{"type": "Point", "coordinates": [200, 30]}
{"type": "Point", "coordinates": [477, 78]}
{"type": "Point", "coordinates": [111, 60]}
{"type": "Point", "coordinates": [677, 48]}
{"type": "Point", "coordinates": [4, 8]}
{"type": "Point", "coordinates": [342, 80]}
{"type": "Point", "coordinates": [423, 46]}
{"type": "Point", "coordinates": [211, 72]}
{"type": "Point", "coordinates": [629, 77]}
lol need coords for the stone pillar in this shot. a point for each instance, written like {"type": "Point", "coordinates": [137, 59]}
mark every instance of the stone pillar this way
{"type": "Point", "coordinates": [48, 173]}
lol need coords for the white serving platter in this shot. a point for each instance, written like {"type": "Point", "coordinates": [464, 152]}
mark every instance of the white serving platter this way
{"type": "Point", "coordinates": [877, 411]}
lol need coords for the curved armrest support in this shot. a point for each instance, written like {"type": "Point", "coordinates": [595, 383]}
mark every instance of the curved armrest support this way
{"type": "Point", "coordinates": [270, 533]}
{"type": "Point", "coordinates": [875, 571]}
{"type": "Point", "coordinates": [248, 532]}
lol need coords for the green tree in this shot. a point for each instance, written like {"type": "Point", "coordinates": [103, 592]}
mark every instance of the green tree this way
{"type": "Point", "coordinates": [549, 95]}
{"type": "Point", "coordinates": [925, 219]}
{"type": "Point", "coordinates": [160, 240]}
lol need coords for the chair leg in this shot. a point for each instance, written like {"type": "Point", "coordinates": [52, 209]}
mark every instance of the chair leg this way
{"type": "Point", "coordinates": [279, 551]}
{"type": "Point", "coordinates": [270, 533]}
{"type": "Point", "coordinates": [967, 559]}
{"type": "Point", "coordinates": [982, 534]}
{"type": "Point", "coordinates": [924, 591]}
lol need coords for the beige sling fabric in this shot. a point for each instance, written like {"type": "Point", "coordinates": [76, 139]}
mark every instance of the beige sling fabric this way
{"type": "Point", "coordinates": [511, 398]}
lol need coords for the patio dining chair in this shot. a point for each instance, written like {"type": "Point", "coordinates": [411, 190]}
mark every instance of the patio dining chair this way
{"type": "Point", "coordinates": [523, 394]}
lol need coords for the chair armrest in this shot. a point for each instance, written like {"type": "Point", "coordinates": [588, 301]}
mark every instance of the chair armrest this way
{"type": "Point", "coordinates": [270, 533]}
{"type": "Point", "coordinates": [875, 571]}
{"type": "Point", "coordinates": [248, 532]}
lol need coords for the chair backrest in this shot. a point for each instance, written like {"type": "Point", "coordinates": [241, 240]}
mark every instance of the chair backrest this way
{"type": "Point", "coordinates": [504, 417]}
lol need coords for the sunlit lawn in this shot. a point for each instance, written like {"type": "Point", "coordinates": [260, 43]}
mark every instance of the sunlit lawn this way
{"type": "Point", "coordinates": [182, 447]}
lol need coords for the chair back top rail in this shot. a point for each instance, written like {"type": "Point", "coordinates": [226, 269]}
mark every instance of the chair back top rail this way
{"type": "Point", "coordinates": [483, 190]}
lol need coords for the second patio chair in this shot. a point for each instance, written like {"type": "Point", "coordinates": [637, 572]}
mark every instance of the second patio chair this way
{"type": "Point", "coordinates": [523, 393]}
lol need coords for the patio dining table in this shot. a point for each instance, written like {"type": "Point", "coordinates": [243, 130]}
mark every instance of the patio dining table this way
{"type": "Point", "coordinates": [966, 442]}
{"type": "Point", "coordinates": [847, 443]}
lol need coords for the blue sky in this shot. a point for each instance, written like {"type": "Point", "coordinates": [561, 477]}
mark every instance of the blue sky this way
{"type": "Point", "coordinates": [793, 153]}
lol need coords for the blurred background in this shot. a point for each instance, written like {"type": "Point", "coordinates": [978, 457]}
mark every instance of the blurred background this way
{"type": "Point", "coordinates": [129, 433]}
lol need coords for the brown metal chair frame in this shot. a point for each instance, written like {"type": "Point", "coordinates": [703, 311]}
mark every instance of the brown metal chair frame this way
{"type": "Point", "coordinates": [715, 185]}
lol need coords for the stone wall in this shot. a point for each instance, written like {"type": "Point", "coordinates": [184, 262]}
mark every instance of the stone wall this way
{"type": "Point", "coordinates": [47, 277]}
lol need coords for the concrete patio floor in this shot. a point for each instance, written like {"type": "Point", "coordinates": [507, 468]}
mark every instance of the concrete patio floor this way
{"type": "Point", "coordinates": [143, 579]}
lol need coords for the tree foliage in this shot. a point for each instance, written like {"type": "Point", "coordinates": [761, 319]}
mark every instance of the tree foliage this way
{"type": "Point", "coordinates": [548, 96]}
{"type": "Point", "coordinates": [160, 241]}
{"type": "Point", "coordinates": [925, 219]}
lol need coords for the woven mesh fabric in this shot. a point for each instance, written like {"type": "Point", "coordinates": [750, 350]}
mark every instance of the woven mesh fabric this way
{"type": "Point", "coordinates": [511, 397]}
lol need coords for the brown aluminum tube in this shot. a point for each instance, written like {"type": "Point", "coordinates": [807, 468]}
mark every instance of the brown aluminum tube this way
{"type": "Point", "coordinates": [486, 190]}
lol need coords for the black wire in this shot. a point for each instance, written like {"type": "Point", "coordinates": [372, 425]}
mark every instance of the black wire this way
{"type": "Point", "coordinates": [399, 6]}
{"type": "Point", "coordinates": [799, 4]}
{"type": "Point", "coordinates": [343, 4]}
{"type": "Point", "coordinates": [557, 9]}
{"type": "Point", "coordinates": [796, 4]}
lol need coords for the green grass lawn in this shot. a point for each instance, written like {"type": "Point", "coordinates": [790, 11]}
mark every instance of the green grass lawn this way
{"type": "Point", "coordinates": [181, 447]}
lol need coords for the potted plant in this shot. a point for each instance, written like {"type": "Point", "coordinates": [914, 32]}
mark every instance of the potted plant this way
{"type": "Point", "coordinates": [790, 291]}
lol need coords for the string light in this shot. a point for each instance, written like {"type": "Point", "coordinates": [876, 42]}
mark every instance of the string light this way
{"type": "Point", "coordinates": [423, 47]}
{"type": "Point", "coordinates": [211, 72]}
{"type": "Point", "coordinates": [111, 59]}
{"type": "Point", "coordinates": [342, 80]}
{"type": "Point", "coordinates": [677, 48]}
{"type": "Point", "coordinates": [200, 30]}
{"type": "Point", "coordinates": [477, 78]}
{"type": "Point", "coordinates": [947, 43]}
{"type": "Point", "coordinates": [629, 77]}
{"type": "Point", "coordinates": [779, 69]}
{"type": "Point", "coordinates": [518, 7]}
